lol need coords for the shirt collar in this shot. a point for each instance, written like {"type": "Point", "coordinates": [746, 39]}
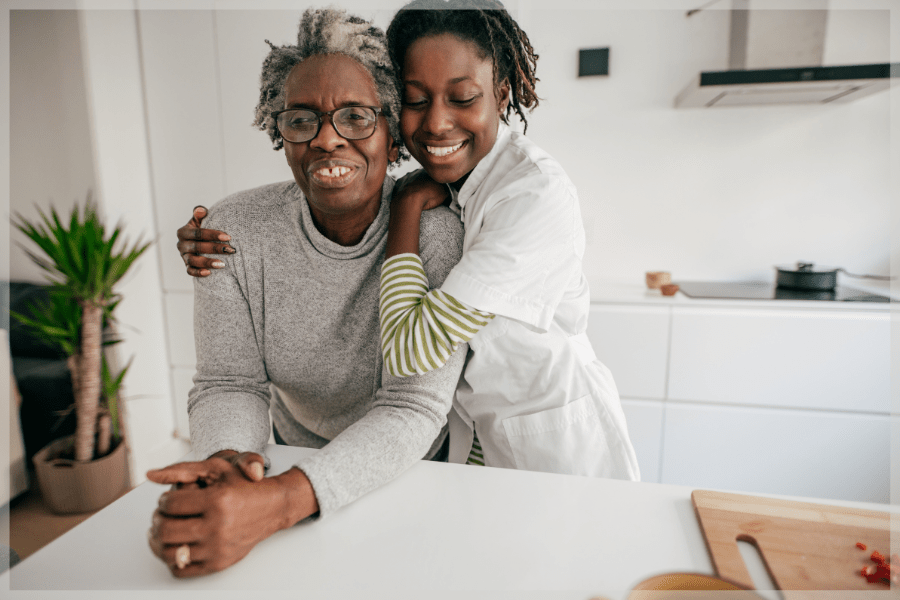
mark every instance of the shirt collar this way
{"type": "Point", "coordinates": [484, 166]}
{"type": "Point", "coordinates": [454, 200]}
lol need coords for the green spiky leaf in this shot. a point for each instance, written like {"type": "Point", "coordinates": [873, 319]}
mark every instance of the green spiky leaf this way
{"type": "Point", "coordinates": [111, 386]}
{"type": "Point", "coordinates": [79, 254]}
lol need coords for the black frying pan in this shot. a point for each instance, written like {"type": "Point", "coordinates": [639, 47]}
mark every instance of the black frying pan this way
{"type": "Point", "coordinates": [807, 276]}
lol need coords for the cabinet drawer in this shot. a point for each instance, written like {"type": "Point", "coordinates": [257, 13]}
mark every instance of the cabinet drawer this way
{"type": "Point", "coordinates": [778, 451]}
{"type": "Point", "coordinates": [804, 359]}
{"type": "Point", "coordinates": [633, 341]}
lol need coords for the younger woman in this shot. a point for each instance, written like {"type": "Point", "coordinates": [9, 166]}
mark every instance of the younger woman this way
{"type": "Point", "coordinates": [533, 393]}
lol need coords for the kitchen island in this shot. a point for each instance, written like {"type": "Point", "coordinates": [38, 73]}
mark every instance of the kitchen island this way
{"type": "Point", "coordinates": [438, 531]}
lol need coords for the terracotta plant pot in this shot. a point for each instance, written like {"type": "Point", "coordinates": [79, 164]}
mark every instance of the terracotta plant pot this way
{"type": "Point", "coordinates": [68, 486]}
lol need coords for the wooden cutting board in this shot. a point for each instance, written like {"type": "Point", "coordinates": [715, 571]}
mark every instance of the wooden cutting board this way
{"type": "Point", "coordinates": [804, 546]}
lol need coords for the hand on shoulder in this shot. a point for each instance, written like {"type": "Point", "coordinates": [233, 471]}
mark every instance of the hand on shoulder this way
{"type": "Point", "coordinates": [193, 241]}
{"type": "Point", "coordinates": [419, 189]}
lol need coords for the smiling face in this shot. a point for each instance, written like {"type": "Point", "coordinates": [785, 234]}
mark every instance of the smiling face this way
{"type": "Point", "coordinates": [341, 178]}
{"type": "Point", "coordinates": [450, 108]}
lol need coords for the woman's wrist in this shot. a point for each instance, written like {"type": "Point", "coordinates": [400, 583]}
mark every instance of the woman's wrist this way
{"type": "Point", "coordinates": [410, 197]}
{"type": "Point", "coordinates": [403, 229]}
{"type": "Point", "coordinates": [299, 498]}
{"type": "Point", "coordinates": [223, 454]}
{"type": "Point", "coordinates": [409, 204]}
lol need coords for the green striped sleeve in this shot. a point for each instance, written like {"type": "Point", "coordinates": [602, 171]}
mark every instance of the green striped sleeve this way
{"type": "Point", "coordinates": [420, 329]}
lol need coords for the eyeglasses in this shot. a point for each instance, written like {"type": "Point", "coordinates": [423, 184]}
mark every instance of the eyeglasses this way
{"type": "Point", "coordinates": [351, 122]}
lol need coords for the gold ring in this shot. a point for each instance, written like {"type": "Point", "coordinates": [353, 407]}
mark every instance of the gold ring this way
{"type": "Point", "coordinates": [182, 556]}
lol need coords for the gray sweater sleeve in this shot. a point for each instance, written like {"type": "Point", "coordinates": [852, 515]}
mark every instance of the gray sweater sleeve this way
{"type": "Point", "coordinates": [408, 413]}
{"type": "Point", "coordinates": [228, 408]}
{"type": "Point", "coordinates": [394, 434]}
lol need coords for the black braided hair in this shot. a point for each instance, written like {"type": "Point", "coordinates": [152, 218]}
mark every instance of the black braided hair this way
{"type": "Point", "coordinates": [329, 31]}
{"type": "Point", "coordinates": [482, 22]}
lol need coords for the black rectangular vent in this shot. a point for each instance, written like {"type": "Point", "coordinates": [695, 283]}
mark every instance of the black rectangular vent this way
{"type": "Point", "coordinates": [593, 61]}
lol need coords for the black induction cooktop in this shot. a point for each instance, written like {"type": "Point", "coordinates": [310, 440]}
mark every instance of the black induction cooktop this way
{"type": "Point", "coordinates": [760, 290]}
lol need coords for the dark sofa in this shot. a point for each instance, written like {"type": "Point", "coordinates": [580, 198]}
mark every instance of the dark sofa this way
{"type": "Point", "coordinates": [41, 374]}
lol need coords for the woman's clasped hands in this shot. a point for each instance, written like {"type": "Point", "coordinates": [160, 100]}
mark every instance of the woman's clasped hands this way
{"type": "Point", "coordinates": [218, 509]}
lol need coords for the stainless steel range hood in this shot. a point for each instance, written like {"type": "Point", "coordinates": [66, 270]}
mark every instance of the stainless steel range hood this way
{"type": "Point", "coordinates": [808, 85]}
{"type": "Point", "coordinates": [775, 57]}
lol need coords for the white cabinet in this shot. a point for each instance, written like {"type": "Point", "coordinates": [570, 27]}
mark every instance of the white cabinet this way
{"type": "Point", "coordinates": [754, 397]}
{"type": "Point", "coordinates": [832, 360]}
{"type": "Point", "coordinates": [645, 428]}
{"type": "Point", "coordinates": [818, 454]}
{"type": "Point", "coordinates": [633, 342]}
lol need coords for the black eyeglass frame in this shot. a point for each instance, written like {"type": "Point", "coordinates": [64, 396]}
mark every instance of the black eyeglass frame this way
{"type": "Point", "coordinates": [330, 114]}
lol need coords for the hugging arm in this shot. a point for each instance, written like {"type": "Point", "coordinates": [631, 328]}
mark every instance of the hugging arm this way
{"type": "Point", "coordinates": [194, 241]}
{"type": "Point", "coordinates": [420, 327]}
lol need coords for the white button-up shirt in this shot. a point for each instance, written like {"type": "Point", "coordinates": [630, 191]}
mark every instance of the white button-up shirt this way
{"type": "Point", "coordinates": [533, 388]}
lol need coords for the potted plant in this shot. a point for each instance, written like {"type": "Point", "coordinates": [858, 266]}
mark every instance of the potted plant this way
{"type": "Point", "coordinates": [88, 470]}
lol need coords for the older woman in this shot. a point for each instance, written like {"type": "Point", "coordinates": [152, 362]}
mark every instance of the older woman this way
{"type": "Point", "coordinates": [308, 321]}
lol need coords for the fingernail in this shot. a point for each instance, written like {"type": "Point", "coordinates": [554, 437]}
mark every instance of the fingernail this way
{"type": "Point", "coordinates": [204, 272]}
{"type": "Point", "coordinates": [229, 249]}
{"type": "Point", "coordinates": [224, 237]}
{"type": "Point", "coordinates": [257, 471]}
{"type": "Point", "coordinates": [218, 264]}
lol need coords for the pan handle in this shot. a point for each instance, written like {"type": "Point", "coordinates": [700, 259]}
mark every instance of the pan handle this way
{"type": "Point", "coordinates": [879, 277]}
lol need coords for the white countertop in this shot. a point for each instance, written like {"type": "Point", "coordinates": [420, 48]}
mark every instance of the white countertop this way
{"type": "Point", "coordinates": [438, 531]}
{"type": "Point", "coordinates": [623, 293]}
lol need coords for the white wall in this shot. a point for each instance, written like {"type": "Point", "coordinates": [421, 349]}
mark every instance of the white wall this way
{"type": "Point", "coordinates": [117, 115]}
{"type": "Point", "coordinates": [51, 161]}
{"type": "Point", "coordinates": [710, 193]}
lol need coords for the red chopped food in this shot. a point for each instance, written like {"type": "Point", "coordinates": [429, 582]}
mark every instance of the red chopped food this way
{"type": "Point", "coordinates": [883, 571]}
{"type": "Point", "coordinates": [881, 574]}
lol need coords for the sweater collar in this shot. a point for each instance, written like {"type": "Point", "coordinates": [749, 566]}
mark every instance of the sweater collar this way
{"type": "Point", "coordinates": [371, 240]}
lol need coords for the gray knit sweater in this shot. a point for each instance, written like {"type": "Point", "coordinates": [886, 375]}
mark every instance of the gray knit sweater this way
{"type": "Point", "coordinates": [295, 310]}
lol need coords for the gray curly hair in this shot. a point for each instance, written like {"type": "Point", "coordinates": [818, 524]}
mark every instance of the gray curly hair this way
{"type": "Point", "coordinates": [330, 31]}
